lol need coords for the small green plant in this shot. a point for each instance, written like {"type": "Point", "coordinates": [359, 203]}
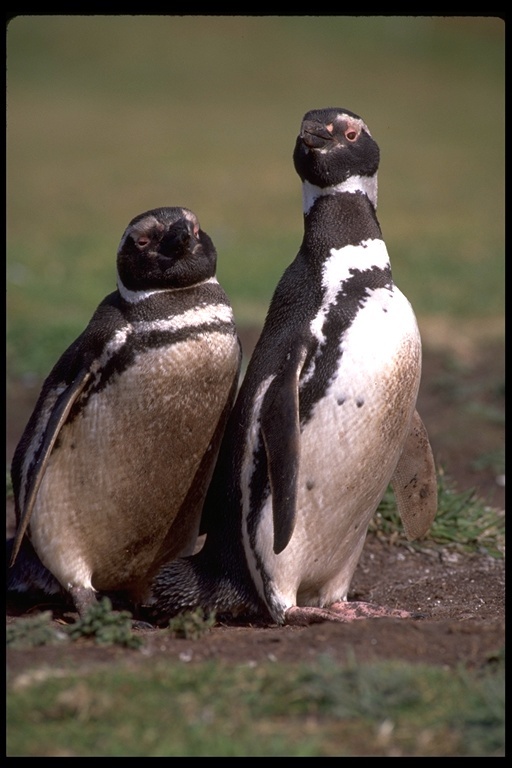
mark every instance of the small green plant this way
{"type": "Point", "coordinates": [33, 631]}
{"type": "Point", "coordinates": [100, 622]}
{"type": "Point", "coordinates": [192, 625]}
{"type": "Point", "coordinates": [108, 627]}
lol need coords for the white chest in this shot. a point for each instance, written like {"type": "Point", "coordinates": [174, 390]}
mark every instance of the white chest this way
{"type": "Point", "coordinates": [350, 445]}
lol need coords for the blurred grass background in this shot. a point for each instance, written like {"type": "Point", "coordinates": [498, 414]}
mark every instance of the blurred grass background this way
{"type": "Point", "coordinates": [109, 116]}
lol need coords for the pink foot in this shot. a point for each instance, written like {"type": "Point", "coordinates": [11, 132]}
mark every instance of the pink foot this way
{"type": "Point", "coordinates": [343, 612]}
{"type": "Point", "coordinates": [357, 609]}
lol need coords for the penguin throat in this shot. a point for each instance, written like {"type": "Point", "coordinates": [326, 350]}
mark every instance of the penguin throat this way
{"type": "Point", "coordinates": [133, 297]}
{"type": "Point", "coordinates": [366, 185]}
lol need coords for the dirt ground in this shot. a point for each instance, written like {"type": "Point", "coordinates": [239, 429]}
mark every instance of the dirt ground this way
{"type": "Point", "coordinates": [460, 596]}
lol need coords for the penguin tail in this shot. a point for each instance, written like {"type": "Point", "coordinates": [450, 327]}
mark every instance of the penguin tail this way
{"type": "Point", "coordinates": [189, 583]}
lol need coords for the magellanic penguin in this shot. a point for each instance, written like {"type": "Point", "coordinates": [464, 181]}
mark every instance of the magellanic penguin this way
{"type": "Point", "coordinates": [110, 474]}
{"type": "Point", "coordinates": [325, 418]}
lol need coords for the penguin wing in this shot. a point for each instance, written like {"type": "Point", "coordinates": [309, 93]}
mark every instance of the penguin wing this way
{"type": "Point", "coordinates": [414, 482]}
{"type": "Point", "coordinates": [280, 427]}
{"type": "Point", "coordinates": [57, 419]}
{"type": "Point", "coordinates": [72, 371]}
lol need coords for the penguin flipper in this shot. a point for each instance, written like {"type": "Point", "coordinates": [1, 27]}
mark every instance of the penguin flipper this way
{"type": "Point", "coordinates": [414, 482]}
{"type": "Point", "coordinates": [280, 427]}
{"type": "Point", "coordinates": [55, 423]}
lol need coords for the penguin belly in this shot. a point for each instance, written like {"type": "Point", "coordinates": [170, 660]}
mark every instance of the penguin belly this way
{"type": "Point", "coordinates": [120, 473]}
{"type": "Point", "coordinates": [349, 448]}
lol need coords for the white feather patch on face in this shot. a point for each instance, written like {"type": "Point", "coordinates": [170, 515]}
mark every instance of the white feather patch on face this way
{"type": "Point", "coordinates": [133, 297]}
{"type": "Point", "coordinates": [140, 228]}
{"type": "Point", "coordinates": [193, 219]}
{"type": "Point", "coordinates": [365, 184]}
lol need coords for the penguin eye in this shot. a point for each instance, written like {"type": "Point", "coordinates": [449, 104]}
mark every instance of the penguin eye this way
{"type": "Point", "coordinates": [351, 135]}
{"type": "Point", "coordinates": [142, 241]}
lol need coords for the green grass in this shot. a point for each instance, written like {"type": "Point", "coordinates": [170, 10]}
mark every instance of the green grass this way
{"type": "Point", "coordinates": [268, 709]}
{"type": "Point", "coordinates": [111, 116]}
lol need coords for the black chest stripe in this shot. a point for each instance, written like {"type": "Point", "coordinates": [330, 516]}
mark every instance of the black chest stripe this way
{"type": "Point", "coordinates": [136, 343]}
{"type": "Point", "coordinates": [324, 357]}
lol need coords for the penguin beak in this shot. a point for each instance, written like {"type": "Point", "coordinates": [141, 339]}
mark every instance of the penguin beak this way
{"type": "Point", "coordinates": [180, 239]}
{"type": "Point", "coordinates": [316, 135]}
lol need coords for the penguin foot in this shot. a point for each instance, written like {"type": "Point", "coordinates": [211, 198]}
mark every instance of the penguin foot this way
{"type": "Point", "coordinates": [357, 609]}
{"type": "Point", "coordinates": [303, 616]}
{"type": "Point", "coordinates": [83, 598]}
{"type": "Point", "coordinates": [343, 612]}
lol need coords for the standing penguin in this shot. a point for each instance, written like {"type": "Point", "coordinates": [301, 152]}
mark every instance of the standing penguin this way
{"type": "Point", "coordinates": [110, 473]}
{"type": "Point", "coordinates": [325, 418]}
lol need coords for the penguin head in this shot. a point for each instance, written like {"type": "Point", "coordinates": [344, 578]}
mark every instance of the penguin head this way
{"type": "Point", "coordinates": [334, 144]}
{"type": "Point", "coordinates": [165, 248]}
